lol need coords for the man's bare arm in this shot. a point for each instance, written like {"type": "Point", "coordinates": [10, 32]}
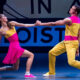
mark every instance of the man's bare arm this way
{"type": "Point", "coordinates": [59, 22]}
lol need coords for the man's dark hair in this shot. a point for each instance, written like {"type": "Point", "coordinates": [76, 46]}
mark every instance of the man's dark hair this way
{"type": "Point", "coordinates": [77, 9]}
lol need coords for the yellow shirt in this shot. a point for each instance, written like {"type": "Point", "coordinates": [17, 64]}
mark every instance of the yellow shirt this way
{"type": "Point", "coordinates": [10, 32]}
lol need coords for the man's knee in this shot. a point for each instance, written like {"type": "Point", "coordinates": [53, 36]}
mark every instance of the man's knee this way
{"type": "Point", "coordinates": [52, 53]}
{"type": "Point", "coordinates": [71, 63]}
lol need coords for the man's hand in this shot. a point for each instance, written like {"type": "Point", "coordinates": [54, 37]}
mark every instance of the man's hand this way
{"type": "Point", "coordinates": [38, 23]}
{"type": "Point", "coordinates": [77, 52]}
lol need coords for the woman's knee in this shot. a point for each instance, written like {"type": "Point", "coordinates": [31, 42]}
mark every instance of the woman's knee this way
{"type": "Point", "coordinates": [16, 68]}
{"type": "Point", "coordinates": [31, 55]}
{"type": "Point", "coordinates": [28, 54]}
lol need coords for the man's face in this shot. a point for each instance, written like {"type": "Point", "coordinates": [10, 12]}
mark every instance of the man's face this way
{"type": "Point", "coordinates": [72, 10]}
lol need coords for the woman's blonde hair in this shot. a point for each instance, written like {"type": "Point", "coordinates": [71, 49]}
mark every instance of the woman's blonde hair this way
{"type": "Point", "coordinates": [8, 23]}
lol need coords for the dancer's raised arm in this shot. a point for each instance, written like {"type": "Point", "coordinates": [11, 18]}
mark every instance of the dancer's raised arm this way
{"type": "Point", "coordinates": [59, 22]}
{"type": "Point", "coordinates": [14, 23]}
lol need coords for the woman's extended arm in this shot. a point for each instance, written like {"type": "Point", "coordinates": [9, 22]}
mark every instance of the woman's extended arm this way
{"type": "Point", "coordinates": [14, 23]}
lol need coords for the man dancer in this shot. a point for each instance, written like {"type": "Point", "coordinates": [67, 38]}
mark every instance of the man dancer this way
{"type": "Point", "coordinates": [70, 43]}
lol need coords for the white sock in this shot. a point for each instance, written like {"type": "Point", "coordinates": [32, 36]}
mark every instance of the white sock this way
{"type": "Point", "coordinates": [27, 73]}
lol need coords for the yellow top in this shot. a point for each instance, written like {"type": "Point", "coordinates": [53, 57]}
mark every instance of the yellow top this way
{"type": "Point", "coordinates": [72, 30]}
{"type": "Point", "coordinates": [10, 32]}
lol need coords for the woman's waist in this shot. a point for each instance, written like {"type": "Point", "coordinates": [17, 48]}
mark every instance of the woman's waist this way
{"type": "Point", "coordinates": [14, 44]}
{"type": "Point", "coordinates": [13, 40]}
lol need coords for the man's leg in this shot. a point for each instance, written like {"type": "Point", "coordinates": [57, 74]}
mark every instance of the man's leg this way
{"type": "Point", "coordinates": [71, 54]}
{"type": "Point", "coordinates": [55, 51]}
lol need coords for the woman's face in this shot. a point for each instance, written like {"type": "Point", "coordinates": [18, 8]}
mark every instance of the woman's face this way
{"type": "Point", "coordinates": [3, 18]}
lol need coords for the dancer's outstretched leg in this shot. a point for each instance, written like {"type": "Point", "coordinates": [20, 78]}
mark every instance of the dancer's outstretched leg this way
{"type": "Point", "coordinates": [14, 67]}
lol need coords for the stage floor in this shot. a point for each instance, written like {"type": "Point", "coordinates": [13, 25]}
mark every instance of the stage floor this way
{"type": "Point", "coordinates": [40, 66]}
{"type": "Point", "coordinates": [61, 74]}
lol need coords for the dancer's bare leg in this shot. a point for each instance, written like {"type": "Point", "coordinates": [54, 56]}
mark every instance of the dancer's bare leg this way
{"type": "Point", "coordinates": [30, 56]}
{"type": "Point", "coordinates": [14, 67]}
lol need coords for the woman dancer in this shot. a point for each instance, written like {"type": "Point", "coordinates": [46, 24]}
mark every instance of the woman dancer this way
{"type": "Point", "coordinates": [15, 51]}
